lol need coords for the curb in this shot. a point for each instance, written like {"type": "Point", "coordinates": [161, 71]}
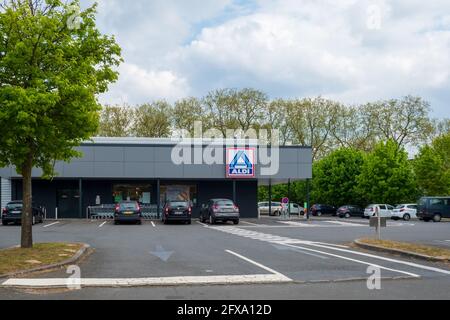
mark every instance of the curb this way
{"type": "Point", "coordinates": [80, 253]}
{"type": "Point", "coordinates": [398, 251]}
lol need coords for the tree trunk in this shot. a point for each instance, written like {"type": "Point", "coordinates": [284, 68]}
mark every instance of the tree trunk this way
{"type": "Point", "coordinates": [27, 214]}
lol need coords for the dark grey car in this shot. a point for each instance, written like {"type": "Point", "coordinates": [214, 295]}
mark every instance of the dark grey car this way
{"type": "Point", "coordinates": [434, 208]}
{"type": "Point", "coordinates": [12, 213]}
{"type": "Point", "coordinates": [223, 210]}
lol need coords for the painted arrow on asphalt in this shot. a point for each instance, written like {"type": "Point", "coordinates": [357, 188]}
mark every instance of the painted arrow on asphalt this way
{"type": "Point", "coordinates": [161, 253]}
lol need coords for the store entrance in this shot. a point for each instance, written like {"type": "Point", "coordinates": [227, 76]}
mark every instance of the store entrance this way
{"type": "Point", "coordinates": [133, 192]}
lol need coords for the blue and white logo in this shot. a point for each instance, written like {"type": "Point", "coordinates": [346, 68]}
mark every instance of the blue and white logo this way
{"type": "Point", "coordinates": [240, 162]}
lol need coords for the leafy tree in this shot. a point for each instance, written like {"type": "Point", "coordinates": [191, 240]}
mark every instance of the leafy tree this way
{"type": "Point", "coordinates": [387, 176]}
{"type": "Point", "coordinates": [50, 73]}
{"type": "Point", "coordinates": [335, 177]}
{"type": "Point", "coordinates": [186, 112]}
{"type": "Point", "coordinates": [312, 122]}
{"type": "Point", "coordinates": [153, 120]}
{"type": "Point", "coordinates": [432, 167]}
{"type": "Point", "coordinates": [115, 121]}
{"type": "Point", "coordinates": [405, 121]}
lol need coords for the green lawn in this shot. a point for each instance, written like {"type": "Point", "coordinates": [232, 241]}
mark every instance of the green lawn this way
{"type": "Point", "coordinates": [18, 259]}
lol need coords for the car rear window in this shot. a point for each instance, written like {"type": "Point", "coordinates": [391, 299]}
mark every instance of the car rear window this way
{"type": "Point", "coordinates": [225, 203]}
{"type": "Point", "coordinates": [179, 203]}
{"type": "Point", "coordinates": [400, 206]}
{"type": "Point", "coordinates": [128, 205]}
{"type": "Point", "coordinates": [14, 206]}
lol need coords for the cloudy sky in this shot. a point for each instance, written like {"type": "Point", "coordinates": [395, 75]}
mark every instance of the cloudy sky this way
{"type": "Point", "coordinates": [353, 51]}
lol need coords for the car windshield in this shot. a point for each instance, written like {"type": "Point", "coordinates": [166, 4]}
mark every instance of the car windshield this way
{"type": "Point", "coordinates": [14, 206]}
{"type": "Point", "coordinates": [225, 203]}
{"type": "Point", "coordinates": [179, 203]}
{"type": "Point", "coordinates": [401, 206]}
{"type": "Point", "coordinates": [128, 205]}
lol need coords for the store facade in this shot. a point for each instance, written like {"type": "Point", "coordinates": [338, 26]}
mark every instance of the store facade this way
{"type": "Point", "coordinates": [153, 171]}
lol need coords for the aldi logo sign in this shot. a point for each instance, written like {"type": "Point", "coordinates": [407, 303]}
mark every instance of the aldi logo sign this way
{"type": "Point", "coordinates": [241, 162]}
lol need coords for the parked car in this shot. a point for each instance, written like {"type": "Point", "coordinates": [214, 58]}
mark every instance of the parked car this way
{"type": "Point", "coordinates": [434, 208]}
{"type": "Point", "coordinates": [350, 211]}
{"type": "Point", "coordinates": [275, 209]}
{"type": "Point", "coordinates": [405, 212]}
{"type": "Point", "coordinates": [177, 211]}
{"type": "Point", "coordinates": [321, 209]}
{"type": "Point", "coordinates": [297, 209]}
{"type": "Point", "coordinates": [385, 210]}
{"type": "Point", "coordinates": [219, 210]}
{"type": "Point", "coordinates": [128, 211]}
{"type": "Point", "coordinates": [13, 213]}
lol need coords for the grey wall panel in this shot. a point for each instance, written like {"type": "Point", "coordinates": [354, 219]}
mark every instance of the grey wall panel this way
{"type": "Point", "coordinates": [77, 170]}
{"type": "Point", "coordinates": [196, 171]}
{"type": "Point", "coordinates": [163, 154]}
{"type": "Point", "coordinates": [289, 155]}
{"type": "Point", "coordinates": [288, 170]}
{"type": "Point", "coordinates": [109, 169]}
{"type": "Point", "coordinates": [7, 172]}
{"type": "Point", "coordinates": [304, 155]}
{"type": "Point", "coordinates": [218, 171]}
{"type": "Point", "coordinates": [87, 154]}
{"type": "Point", "coordinates": [168, 170]}
{"type": "Point", "coordinates": [139, 170]}
{"type": "Point", "coordinates": [139, 154]}
{"type": "Point", "coordinates": [305, 171]}
{"type": "Point", "coordinates": [110, 154]}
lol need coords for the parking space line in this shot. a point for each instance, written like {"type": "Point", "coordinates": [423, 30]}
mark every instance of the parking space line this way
{"type": "Point", "coordinates": [51, 224]}
{"type": "Point", "coordinates": [411, 264]}
{"type": "Point", "coordinates": [203, 224]}
{"type": "Point", "coordinates": [258, 264]}
{"type": "Point", "coordinates": [252, 224]}
{"type": "Point", "coordinates": [353, 260]}
{"type": "Point", "coordinates": [102, 224]}
{"type": "Point", "coordinates": [153, 224]}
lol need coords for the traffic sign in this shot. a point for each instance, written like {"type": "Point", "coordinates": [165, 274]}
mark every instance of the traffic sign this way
{"type": "Point", "coordinates": [285, 200]}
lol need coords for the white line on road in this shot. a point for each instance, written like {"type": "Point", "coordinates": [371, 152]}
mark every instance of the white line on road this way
{"type": "Point", "coordinates": [139, 282]}
{"type": "Point", "coordinates": [258, 264]}
{"type": "Point", "coordinates": [252, 224]}
{"type": "Point", "coordinates": [51, 224]}
{"type": "Point", "coordinates": [203, 224]}
{"type": "Point", "coordinates": [411, 264]}
{"type": "Point", "coordinates": [153, 224]}
{"type": "Point", "coordinates": [353, 260]}
{"type": "Point", "coordinates": [102, 224]}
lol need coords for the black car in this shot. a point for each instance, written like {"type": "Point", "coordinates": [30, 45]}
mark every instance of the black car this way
{"type": "Point", "coordinates": [433, 208]}
{"type": "Point", "coordinates": [177, 211]}
{"type": "Point", "coordinates": [350, 211]}
{"type": "Point", "coordinates": [321, 209]}
{"type": "Point", "coordinates": [220, 210]}
{"type": "Point", "coordinates": [128, 211]}
{"type": "Point", "coordinates": [13, 213]}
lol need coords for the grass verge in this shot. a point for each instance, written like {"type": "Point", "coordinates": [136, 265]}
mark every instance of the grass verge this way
{"type": "Point", "coordinates": [431, 251]}
{"type": "Point", "coordinates": [17, 259]}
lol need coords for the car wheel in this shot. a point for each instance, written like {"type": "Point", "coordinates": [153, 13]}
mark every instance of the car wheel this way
{"type": "Point", "coordinates": [139, 222]}
{"type": "Point", "coordinates": [319, 213]}
{"type": "Point", "coordinates": [116, 223]}
{"type": "Point", "coordinates": [437, 218]}
{"type": "Point", "coordinates": [33, 220]}
{"type": "Point", "coordinates": [211, 220]}
{"type": "Point", "coordinates": [407, 217]}
{"type": "Point", "coordinates": [4, 223]}
{"type": "Point", "coordinates": [236, 221]}
{"type": "Point", "coordinates": [301, 213]}
{"type": "Point", "coordinates": [347, 215]}
{"type": "Point", "coordinates": [189, 222]}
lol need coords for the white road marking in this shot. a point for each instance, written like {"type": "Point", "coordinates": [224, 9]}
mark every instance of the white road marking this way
{"type": "Point", "coordinates": [411, 264]}
{"type": "Point", "coordinates": [299, 224]}
{"type": "Point", "coordinates": [51, 224]}
{"type": "Point", "coordinates": [289, 242]}
{"type": "Point", "coordinates": [153, 224]}
{"type": "Point", "coordinates": [102, 224]}
{"type": "Point", "coordinates": [259, 265]}
{"type": "Point", "coordinates": [252, 224]}
{"type": "Point", "coordinates": [343, 223]}
{"type": "Point", "coordinates": [203, 224]}
{"type": "Point", "coordinates": [354, 260]}
{"type": "Point", "coordinates": [139, 282]}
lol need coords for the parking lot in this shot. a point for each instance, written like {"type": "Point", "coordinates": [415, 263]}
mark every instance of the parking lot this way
{"type": "Point", "coordinates": [287, 257]}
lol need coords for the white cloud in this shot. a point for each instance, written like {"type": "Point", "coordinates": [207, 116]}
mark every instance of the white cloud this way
{"type": "Point", "coordinates": [137, 85]}
{"type": "Point", "coordinates": [285, 47]}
